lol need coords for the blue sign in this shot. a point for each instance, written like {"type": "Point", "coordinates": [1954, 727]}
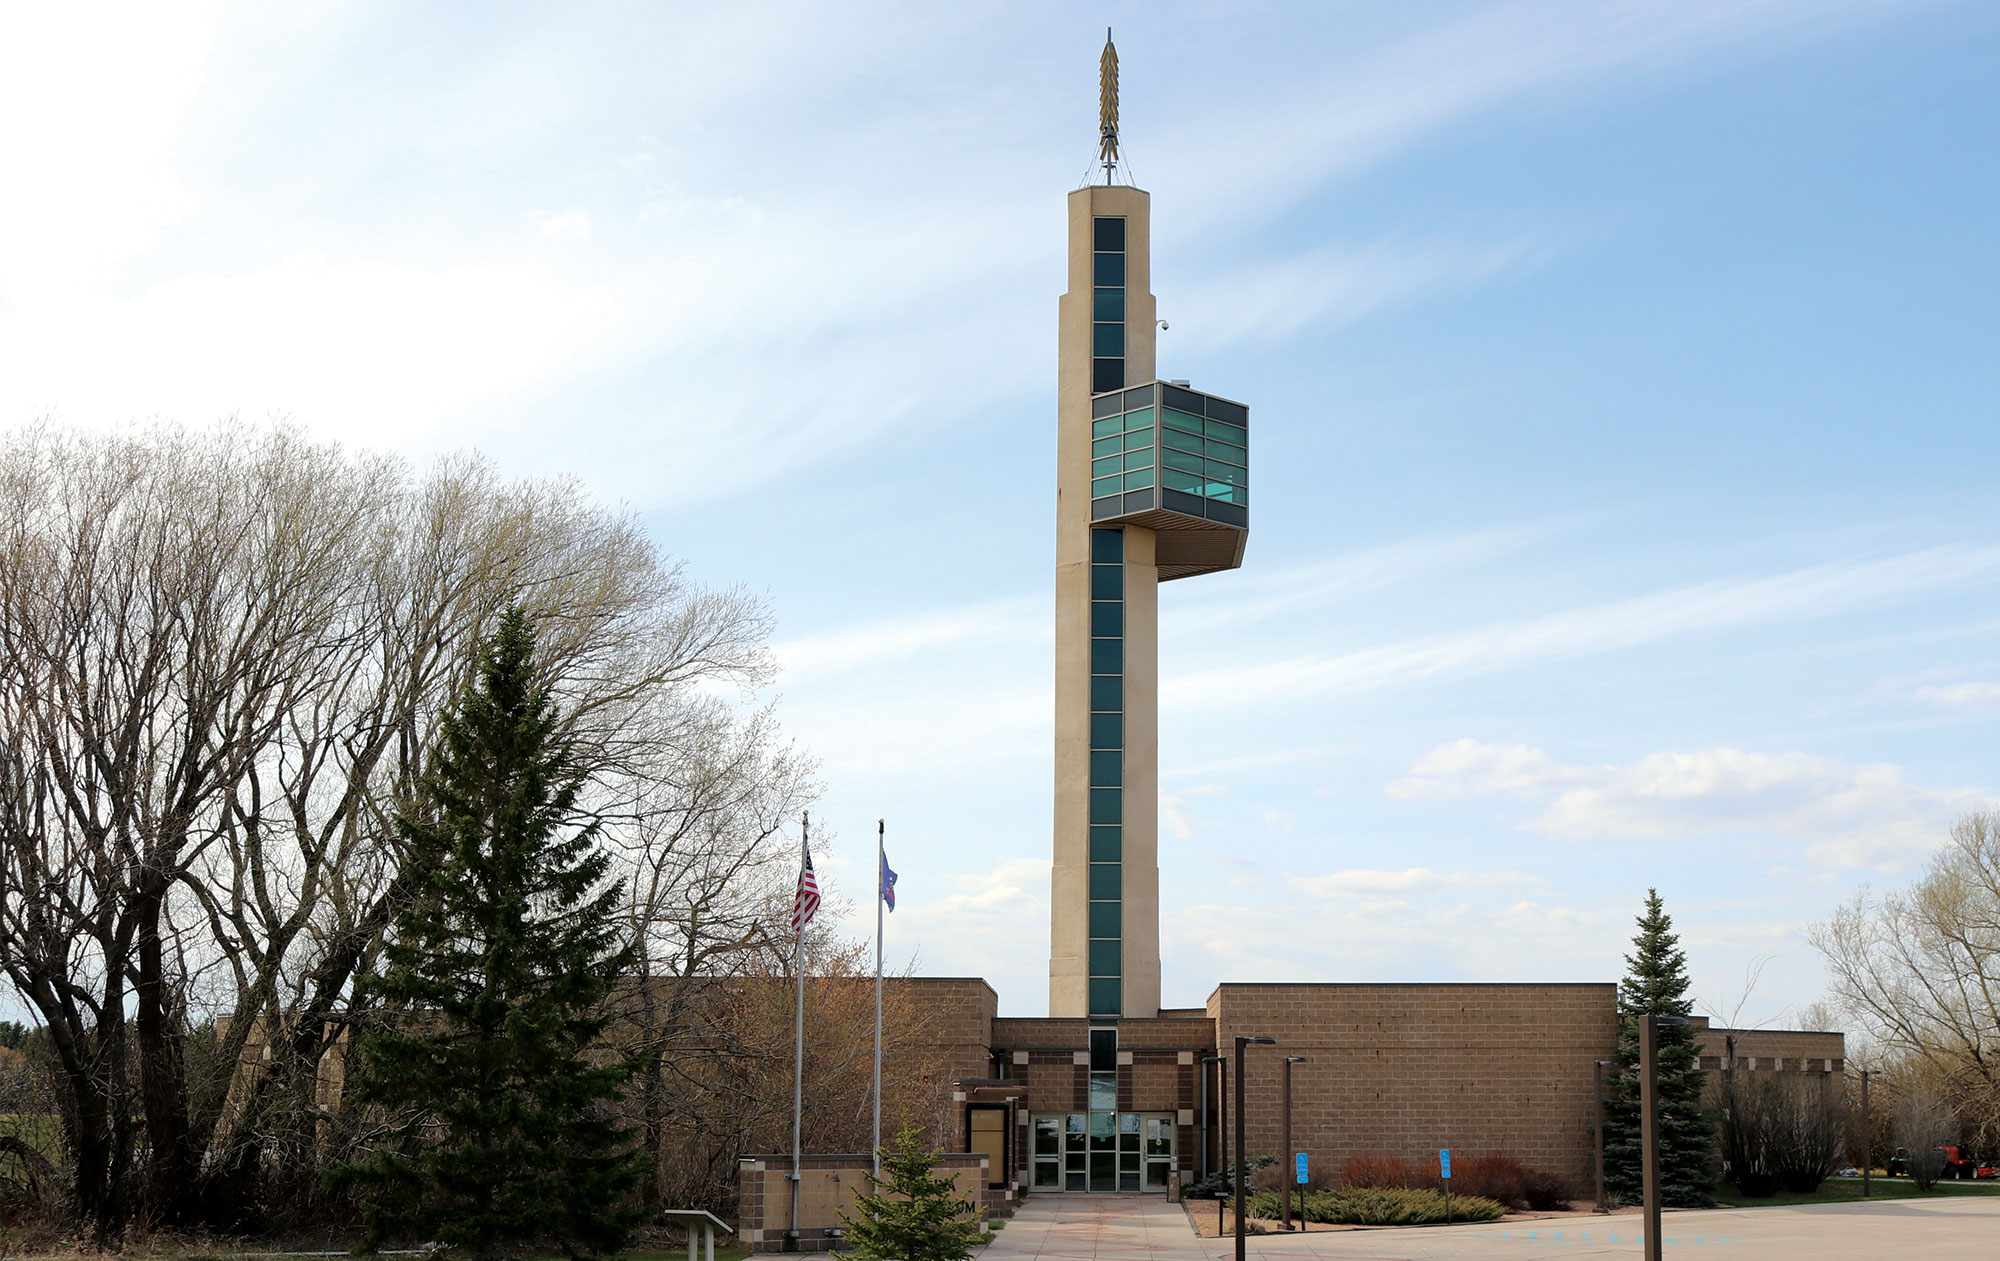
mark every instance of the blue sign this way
{"type": "Point", "coordinates": [1302, 1167]}
{"type": "Point", "coordinates": [1444, 1162]}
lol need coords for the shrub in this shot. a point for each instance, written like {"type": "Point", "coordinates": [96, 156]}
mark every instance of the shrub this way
{"type": "Point", "coordinates": [1546, 1192]}
{"type": "Point", "coordinates": [1780, 1131]}
{"type": "Point", "coordinates": [1498, 1178]}
{"type": "Point", "coordinates": [1922, 1123]}
{"type": "Point", "coordinates": [1221, 1184]}
{"type": "Point", "coordinates": [1386, 1171]}
{"type": "Point", "coordinates": [1273, 1177]}
{"type": "Point", "coordinates": [1380, 1206]}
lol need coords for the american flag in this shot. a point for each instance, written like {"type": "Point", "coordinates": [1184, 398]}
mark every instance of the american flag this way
{"type": "Point", "coordinates": [806, 900]}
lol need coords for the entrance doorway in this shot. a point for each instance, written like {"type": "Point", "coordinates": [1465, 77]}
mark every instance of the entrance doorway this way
{"type": "Point", "coordinates": [1102, 1151]}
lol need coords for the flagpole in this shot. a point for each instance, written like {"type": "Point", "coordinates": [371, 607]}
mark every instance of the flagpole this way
{"type": "Point", "coordinates": [799, 1043]}
{"type": "Point", "coordinates": [881, 876]}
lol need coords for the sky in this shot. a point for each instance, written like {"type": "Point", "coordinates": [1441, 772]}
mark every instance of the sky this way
{"type": "Point", "coordinates": [1621, 377]}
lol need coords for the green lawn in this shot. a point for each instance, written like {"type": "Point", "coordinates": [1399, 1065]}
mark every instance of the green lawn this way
{"type": "Point", "coordinates": [1840, 1190]}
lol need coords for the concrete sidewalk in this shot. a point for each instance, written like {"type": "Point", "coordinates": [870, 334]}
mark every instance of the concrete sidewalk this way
{"type": "Point", "coordinates": [1113, 1228]}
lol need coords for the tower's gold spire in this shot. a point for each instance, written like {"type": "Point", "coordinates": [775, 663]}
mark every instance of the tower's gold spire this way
{"type": "Point", "coordinates": [1107, 107]}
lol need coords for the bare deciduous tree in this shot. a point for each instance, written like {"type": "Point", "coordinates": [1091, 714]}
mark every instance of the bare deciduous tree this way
{"type": "Point", "coordinates": [1920, 971]}
{"type": "Point", "coordinates": [221, 656]}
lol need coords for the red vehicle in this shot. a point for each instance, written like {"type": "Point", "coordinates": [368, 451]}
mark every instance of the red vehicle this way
{"type": "Point", "coordinates": [1959, 1165]}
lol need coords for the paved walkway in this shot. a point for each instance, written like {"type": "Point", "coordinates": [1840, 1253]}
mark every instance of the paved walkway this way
{"type": "Point", "coordinates": [1113, 1228]}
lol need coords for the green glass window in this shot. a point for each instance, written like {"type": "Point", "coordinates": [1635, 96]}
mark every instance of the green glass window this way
{"type": "Point", "coordinates": [1228, 433]}
{"type": "Point", "coordinates": [1225, 472]}
{"type": "Point", "coordinates": [1108, 466]}
{"type": "Point", "coordinates": [1139, 459]}
{"type": "Point", "coordinates": [1223, 492]}
{"type": "Point", "coordinates": [1107, 582]}
{"type": "Point", "coordinates": [1109, 305]}
{"type": "Point", "coordinates": [1104, 1002]}
{"type": "Point", "coordinates": [1107, 768]}
{"type": "Point", "coordinates": [1110, 271]}
{"type": "Point", "coordinates": [1104, 958]}
{"type": "Point", "coordinates": [1224, 451]}
{"type": "Point", "coordinates": [1139, 480]}
{"type": "Point", "coordinates": [1107, 620]}
{"type": "Point", "coordinates": [1106, 845]}
{"type": "Point", "coordinates": [1181, 460]}
{"type": "Point", "coordinates": [1107, 731]}
{"type": "Point", "coordinates": [1141, 419]}
{"type": "Point", "coordinates": [1181, 441]}
{"type": "Point", "coordinates": [1107, 656]}
{"type": "Point", "coordinates": [1107, 695]}
{"type": "Point", "coordinates": [1107, 546]}
{"type": "Point", "coordinates": [1107, 805]}
{"type": "Point", "coordinates": [1105, 882]}
{"type": "Point", "coordinates": [1181, 420]}
{"type": "Point", "coordinates": [1105, 918]}
{"type": "Point", "coordinates": [1175, 479]}
{"type": "Point", "coordinates": [1107, 446]}
{"type": "Point", "coordinates": [1106, 426]}
{"type": "Point", "coordinates": [1139, 438]}
{"type": "Point", "coordinates": [1105, 486]}
{"type": "Point", "coordinates": [1107, 339]}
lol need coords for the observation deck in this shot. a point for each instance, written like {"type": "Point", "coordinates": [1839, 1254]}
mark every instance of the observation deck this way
{"type": "Point", "coordinates": [1175, 461]}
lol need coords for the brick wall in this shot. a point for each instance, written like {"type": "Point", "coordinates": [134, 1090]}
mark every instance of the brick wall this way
{"type": "Point", "coordinates": [1790, 1050]}
{"type": "Point", "coordinates": [1407, 1069]}
{"type": "Point", "coordinates": [950, 1031]}
{"type": "Point", "coordinates": [827, 1187]}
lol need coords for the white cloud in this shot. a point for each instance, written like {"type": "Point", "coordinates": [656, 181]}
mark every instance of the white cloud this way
{"type": "Point", "coordinates": [897, 640]}
{"type": "Point", "coordinates": [570, 224]}
{"type": "Point", "coordinates": [1844, 815]}
{"type": "Point", "coordinates": [1467, 766]}
{"type": "Point", "coordinates": [1360, 881]}
{"type": "Point", "coordinates": [1815, 592]}
{"type": "Point", "coordinates": [1961, 695]}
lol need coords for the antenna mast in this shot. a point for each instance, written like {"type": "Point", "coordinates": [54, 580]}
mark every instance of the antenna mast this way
{"type": "Point", "coordinates": [1107, 107]}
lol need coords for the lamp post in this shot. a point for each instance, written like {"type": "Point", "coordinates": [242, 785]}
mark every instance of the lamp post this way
{"type": "Point", "coordinates": [1286, 1143]}
{"type": "Point", "coordinates": [1867, 1132]}
{"type": "Point", "coordinates": [1597, 1079]}
{"type": "Point", "coordinates": [1236, 1177]}
{"type": "Point", "coordinates": [1649, 1125]}
{"type": "Point", "coordinates": [1206, 1060]}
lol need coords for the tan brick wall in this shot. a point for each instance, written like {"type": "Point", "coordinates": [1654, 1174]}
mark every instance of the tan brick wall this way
{"type": "Point", "coordinates": [1407, 1069]}
{"type": "Point", "coordinates": [1791, 1050]}
{"type": "Point", "coordinates": [828, 1185]}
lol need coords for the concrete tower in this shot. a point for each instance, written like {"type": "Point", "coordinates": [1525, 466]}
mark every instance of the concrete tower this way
{"type": "Point", "coordinates": [1151, 485]}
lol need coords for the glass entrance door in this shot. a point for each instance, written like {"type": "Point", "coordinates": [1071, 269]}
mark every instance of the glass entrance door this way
{"type": "Point", "coordinates": [1101, 1152]}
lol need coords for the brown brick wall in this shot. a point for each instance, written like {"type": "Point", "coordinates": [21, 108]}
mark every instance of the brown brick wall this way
{"type": "Point", "coordinates": [1407, 1069]}
{"type": "Point", "coordinates": [948, 1039]}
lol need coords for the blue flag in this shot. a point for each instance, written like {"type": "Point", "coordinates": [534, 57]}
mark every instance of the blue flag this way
{"type": "Point", "coordinates": [888, 883]}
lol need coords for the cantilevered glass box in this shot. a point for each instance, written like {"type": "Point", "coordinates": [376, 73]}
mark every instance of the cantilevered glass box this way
{"type": "Point", "coordinates": [1175, 461]}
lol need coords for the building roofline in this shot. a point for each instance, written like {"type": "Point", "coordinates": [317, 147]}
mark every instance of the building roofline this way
{"type": "Point", "coordinates": [1409, 985]}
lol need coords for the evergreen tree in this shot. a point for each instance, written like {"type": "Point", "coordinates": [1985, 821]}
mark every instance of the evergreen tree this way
{"type": "Point", "coordinates": [1656, 982]}
{"type": "Point", "coordinates": [912, 1214]}
{"type": "Point", "coordinates": [495, 976]}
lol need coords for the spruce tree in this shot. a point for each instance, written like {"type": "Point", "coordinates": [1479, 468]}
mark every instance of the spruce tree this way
{"type": "Point", "coordinates": [1656, 982]}
{"type": "Point", "coordinates": [488, 1060]}
{"type": "Point", "coordinates": [911, 1214]}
